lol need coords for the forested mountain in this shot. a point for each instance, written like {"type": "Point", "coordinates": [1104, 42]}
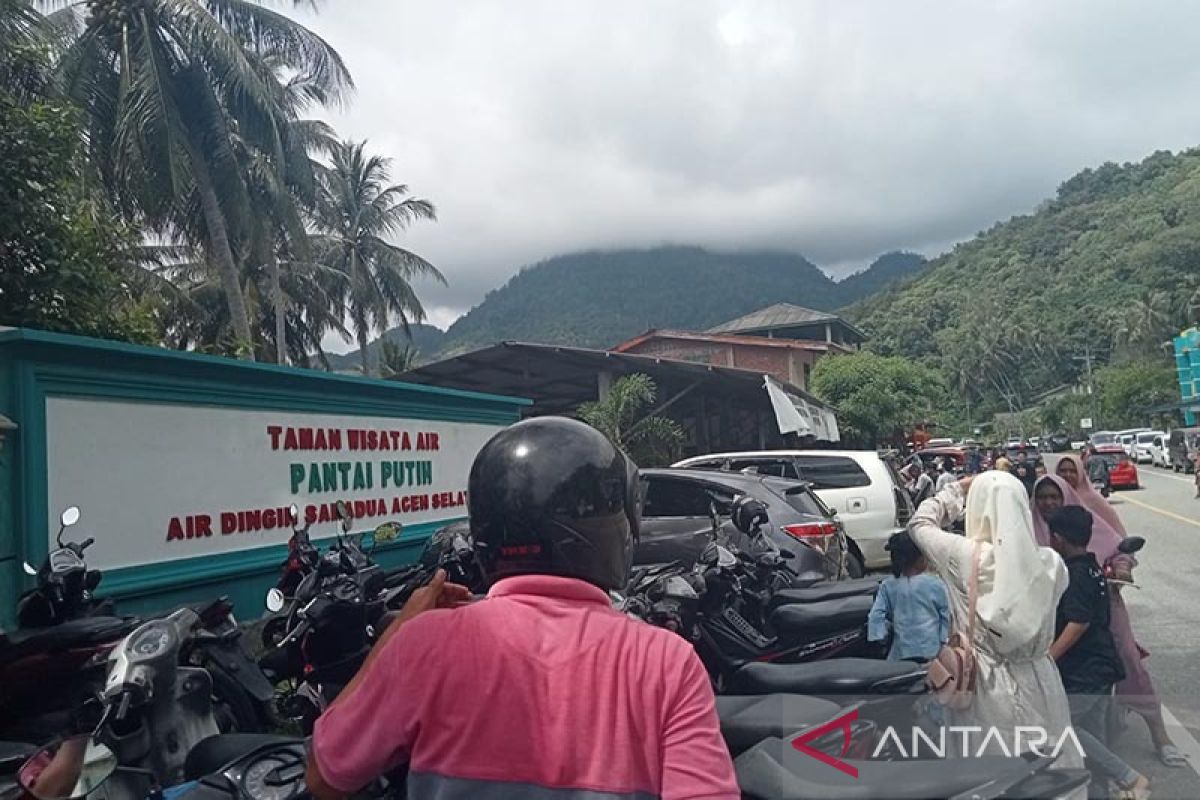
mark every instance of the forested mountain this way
{"type": "Point", "coordinates": [599, 298]}
{"type": "Point", "coordinates": [1109, 267]}
{"type": "Point", "coordinates": [425, 341]}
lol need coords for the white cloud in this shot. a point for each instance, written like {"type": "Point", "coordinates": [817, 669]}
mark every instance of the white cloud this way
{"type": "Point", "coordinates": [839, 130]}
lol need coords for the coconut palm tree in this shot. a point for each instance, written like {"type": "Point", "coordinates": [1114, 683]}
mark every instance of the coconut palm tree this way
{"type": "Point", "coordinates": [357, 212]}
{"type": "Point", "coordinates": [166, 86]}
{"type": "Point", "coordinates": [1146, 323]}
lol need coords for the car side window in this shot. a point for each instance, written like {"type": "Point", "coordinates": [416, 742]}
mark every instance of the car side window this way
{"type": "Point", "coordinates": [666, 497]}
{"type": "Point", "coordinates": [777, 467]}
{"type": "Point", "coordinates": [832, 472]}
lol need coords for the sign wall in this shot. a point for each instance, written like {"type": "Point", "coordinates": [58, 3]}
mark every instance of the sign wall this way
{"type": "Point", "coordinates": [158, 482]}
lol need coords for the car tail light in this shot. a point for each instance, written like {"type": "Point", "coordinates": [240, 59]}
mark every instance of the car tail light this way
{"type": "Point", "coordinates": [816, 535]}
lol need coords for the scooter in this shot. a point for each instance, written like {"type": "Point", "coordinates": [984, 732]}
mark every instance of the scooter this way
{"type": "Point", "coordinates": [69, 652]}
{"type": "Point", "coordinates": [149, 715]}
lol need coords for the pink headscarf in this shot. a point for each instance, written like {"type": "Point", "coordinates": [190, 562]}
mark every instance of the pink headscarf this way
{"type": "Point", "coordinates": [1104, 538]}
{"type": "Point", "coordinates": [1091, 499]}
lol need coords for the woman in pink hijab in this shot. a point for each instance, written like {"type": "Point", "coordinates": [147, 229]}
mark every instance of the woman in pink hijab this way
{"type": "Point", "coordinates": [1051, 493]}
{"type": "Point", "coordinates": [1070, 468]}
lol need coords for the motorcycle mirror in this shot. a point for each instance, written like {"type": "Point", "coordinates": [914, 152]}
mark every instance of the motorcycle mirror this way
{"type": "Point", "coordinates": [275, 600]}
{"type": "Point", "coordinates": [1131, 545]}
{"type": "Point", "coordinates": [69, 770]}
{"type": "Point", "coordinates": [69, 516]}
{"type": "Point", "coordinates": [343, 512]}
{"type": "Point", "coordinates": [29, 570]}
{"type": "Point", "coordinates": [294, 510]}
{"type": "Point", "coordinates": [710, 554]}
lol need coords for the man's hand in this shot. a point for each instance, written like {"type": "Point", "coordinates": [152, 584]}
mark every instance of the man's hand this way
{"type": "Point", "coordinates": [435, 594]}
{"type": "Point", "coordinates": [965, 483]}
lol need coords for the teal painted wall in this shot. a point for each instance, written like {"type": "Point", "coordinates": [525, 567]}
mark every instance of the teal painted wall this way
{"type": "Point", "coordinates": [35, 365]}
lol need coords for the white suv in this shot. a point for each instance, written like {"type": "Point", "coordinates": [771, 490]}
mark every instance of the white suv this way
{"type": "Point", "coordinates": [857, 484]}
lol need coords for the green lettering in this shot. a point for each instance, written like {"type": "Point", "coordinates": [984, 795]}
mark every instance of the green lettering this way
{"type": "Point", "coordinates": [297, 476]}
{"type": "Point", "coordinates": [344, 468]}
{"type": "Point", "coordinates": [360, 478]}
{"type": "Point", "coordinates": [385, 473]}
{"type": "Point", "coordinates": [314, 478]}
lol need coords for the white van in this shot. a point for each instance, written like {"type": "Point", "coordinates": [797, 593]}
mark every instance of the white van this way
{"type": "Point", "coordinates": [859, 485]}
{"type": "Point", "coordinates": [1128, 438]}
{"type": "Point", "coordinates": [1150, 447]}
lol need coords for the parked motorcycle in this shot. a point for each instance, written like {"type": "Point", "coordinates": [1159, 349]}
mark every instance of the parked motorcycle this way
{"type": "Point", "coordinates": [64, 583]}
{"type": "Point", "coordinates": [151, 712]}
{"type": "Point", "coordinates": [323, 632]}
{"type": "Point", "coordinates": [70, 651]}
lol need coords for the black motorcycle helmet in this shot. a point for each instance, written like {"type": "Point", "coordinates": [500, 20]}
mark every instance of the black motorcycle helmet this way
{"type": "Point", "coordinates": [553, 496]}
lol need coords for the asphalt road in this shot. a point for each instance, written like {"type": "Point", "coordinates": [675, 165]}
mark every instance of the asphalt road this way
{"type": "Point", "coordinates": [1166, 618]}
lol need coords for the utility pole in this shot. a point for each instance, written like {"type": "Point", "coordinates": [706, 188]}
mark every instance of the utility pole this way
{"type": "Point", "coordinates": [1087, 360]}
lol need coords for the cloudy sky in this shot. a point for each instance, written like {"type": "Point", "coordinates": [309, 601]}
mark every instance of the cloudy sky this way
{"type": "Point", "coordinates": [836, 129]}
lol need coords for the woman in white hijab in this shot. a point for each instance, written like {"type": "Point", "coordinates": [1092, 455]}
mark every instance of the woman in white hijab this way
{"type": "Point", "coordinates": [1017, 684]}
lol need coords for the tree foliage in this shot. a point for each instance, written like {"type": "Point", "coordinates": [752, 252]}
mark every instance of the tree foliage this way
{"type": "Point", "coordinates": [65, 264]}
{"type": "Point", "coordinates": [1110, 267]}
{"type": "Point", "coordinates": [878, 397]}
{"type": "Point", "coordinates": [1128, 391]}
{"type": "Point", "coordinates": [625, 417]}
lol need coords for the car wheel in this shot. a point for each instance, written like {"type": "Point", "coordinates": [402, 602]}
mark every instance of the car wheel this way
{"type": "Point", "coordinates": [855, 564]}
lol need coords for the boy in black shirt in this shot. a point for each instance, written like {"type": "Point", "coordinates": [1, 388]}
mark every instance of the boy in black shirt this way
{"type": "Point", "coordinates": [1084, 649]}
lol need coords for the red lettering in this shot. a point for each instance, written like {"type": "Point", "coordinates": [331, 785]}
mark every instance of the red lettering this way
{"type": "Point", "coordinates": [396, 506]}
{"type": "Point", "coordinates": [306, 439]}
{"type": "Point", "coordinates": [273, 431]}
{"type": "Point", "coordinates": [395, 436]}
{"type": "Point", "coordinates": [372, 440]}
{"type": "Point", "coordinates": [406, 443]}
{"type": "Point", "coordinates": [174, 530]}
{"type": "Point", "coordinates": [335, 439]}
{"type": "Point", "coordinates": [289, 440]}
{"type": "Point", "coordinates": [203, 525]}
{"type": "Point", "coordinates": [228, 522]}
{"type": "Point", "coordinates": [268, 518]}
{"type": "Point", "coordinates": [310, 514]}
{"type": "Point", "coordinates": [436, 443]}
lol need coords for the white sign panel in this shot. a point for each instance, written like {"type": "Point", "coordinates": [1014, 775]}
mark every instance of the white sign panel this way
{"type": "Point", "coordinates": [158, 482]}
{"type": "Point", "coordinates": [1085, 423]}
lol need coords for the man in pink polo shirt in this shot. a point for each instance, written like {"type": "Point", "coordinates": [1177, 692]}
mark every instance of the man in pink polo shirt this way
{"type": "Point", "coordinates": [541, 690]}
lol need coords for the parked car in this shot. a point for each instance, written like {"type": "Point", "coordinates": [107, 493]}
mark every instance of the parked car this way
{"type": "Point", "coordinates": [679, 507]}
{"type": "Point", "coordinates": [1101, 438]}
{"type": "Point", "coordinates": [1031, 453]}
{"type": "Point", "coordinates": [861, 487]}
{"type": "Point", "coordinates": [1058, 442]}
{"type": "Point", "coordinates": [1122, 472]}
{"type": "Point", "coordinates": [938, 443]}
{"type": "Point", "coordinates": [1128, 438]}
{"type": "Point", "coordinates": [957, 455]}
{"type": "Point", "coordinates": [1143, 443]}
{"type": "Point", "coordinates": [1182, 445]}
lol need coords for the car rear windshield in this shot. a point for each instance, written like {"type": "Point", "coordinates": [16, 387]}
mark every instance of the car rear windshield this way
{"type": "Point", "coordinates": [1103, 438]}
{"type": "Point", "coordinates": [804, 501]}
{"type": "Point", "coordinates": [831, 472]}
{"type": "Point", "coordinates": [1112, 459]}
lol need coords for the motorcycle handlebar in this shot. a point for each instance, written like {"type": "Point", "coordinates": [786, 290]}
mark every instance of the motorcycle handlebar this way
{"type": "Point", "coordinates": [85, 544]}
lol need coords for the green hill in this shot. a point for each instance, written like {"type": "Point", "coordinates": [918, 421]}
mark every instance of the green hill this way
{"type": "Point", "coordinates": [1106, 268]}
{"type": "Point", "coordinates": [600, 298]}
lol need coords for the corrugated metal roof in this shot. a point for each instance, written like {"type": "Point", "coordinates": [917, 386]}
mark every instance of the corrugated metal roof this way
{"type": "Point", "coordinates": [780, 315]}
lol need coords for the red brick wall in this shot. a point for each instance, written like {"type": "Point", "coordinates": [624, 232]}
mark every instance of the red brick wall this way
{"type": "Point", "coordinates": [773, 361]}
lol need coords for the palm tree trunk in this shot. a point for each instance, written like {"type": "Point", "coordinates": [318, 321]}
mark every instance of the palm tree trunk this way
{"type": "Point", "coordinates": [362, 349]}
{"type": "Point", "coordinates": [280, 311]}
{"type": "Point", "coordinates": [222, 254]}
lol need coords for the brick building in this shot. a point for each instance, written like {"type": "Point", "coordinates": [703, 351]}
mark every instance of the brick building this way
{"type": "Point", "coordinates": [783, 341]}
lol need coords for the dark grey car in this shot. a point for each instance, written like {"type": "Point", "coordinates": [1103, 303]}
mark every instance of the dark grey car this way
{"type": "Point", "coordinates": [677, 520]}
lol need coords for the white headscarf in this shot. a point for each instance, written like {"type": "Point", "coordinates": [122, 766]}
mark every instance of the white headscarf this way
{"type": "Point", "coordinates": [1018, 582]}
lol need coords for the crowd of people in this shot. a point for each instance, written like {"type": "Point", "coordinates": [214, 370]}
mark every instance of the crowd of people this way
{"type": "Point", "coordinates": [1054, 644]}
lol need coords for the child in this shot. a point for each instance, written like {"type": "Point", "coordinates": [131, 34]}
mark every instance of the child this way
{"type": "Point", "coordinates": [911, 606]}
{"type": "Point", "coordinates": [1084, 649]}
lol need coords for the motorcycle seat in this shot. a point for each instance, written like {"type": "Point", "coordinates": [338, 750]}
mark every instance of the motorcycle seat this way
{"type": "Point", "coordinates": [834, 676]}
{"type": "Point", "coordinates": [774, 770]}
{"type": "Point", "coordinates": [747, 720]}
{"type": "Point", "coordinates": [833, 590]}
{"type": "Point", "coordinates": [81, 632]}
{"type": "Point", "coordinates": [827, 616]}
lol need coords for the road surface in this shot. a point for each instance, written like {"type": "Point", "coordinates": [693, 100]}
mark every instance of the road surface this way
{"type": "Point", "coordinates": [1166, 618]}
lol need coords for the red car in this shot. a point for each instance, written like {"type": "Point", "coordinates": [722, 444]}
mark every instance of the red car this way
{"type": "Point", "coordinates": [1122, 472]}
